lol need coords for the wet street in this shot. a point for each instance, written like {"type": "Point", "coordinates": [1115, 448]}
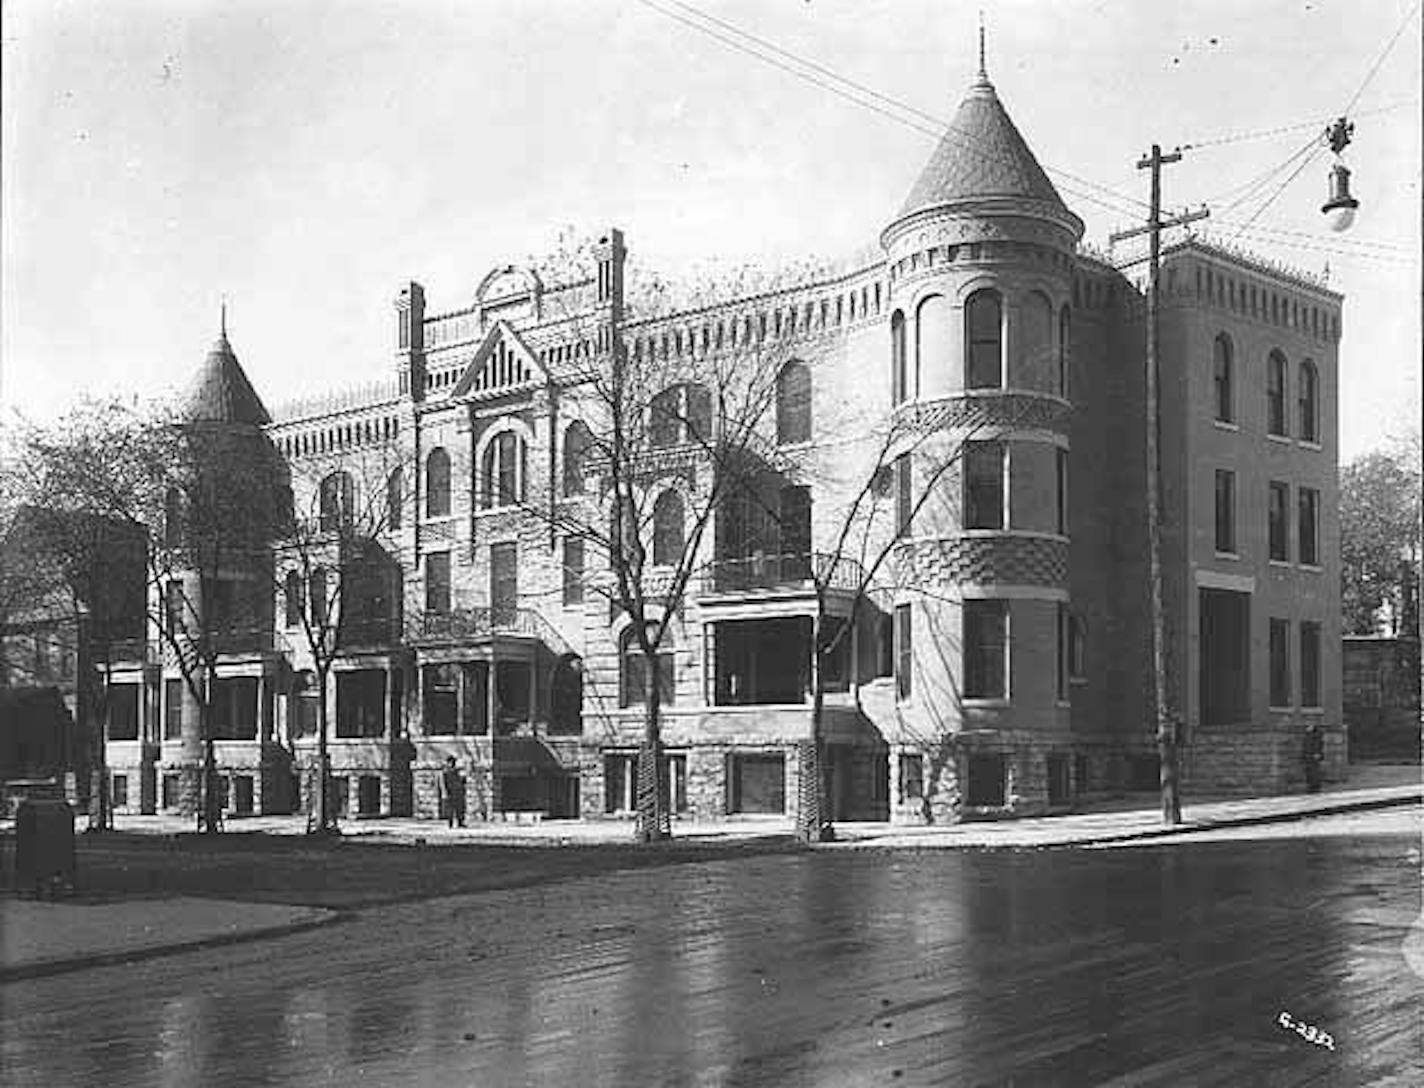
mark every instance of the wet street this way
{"type": "Point", "coordinates": [1166, 965]}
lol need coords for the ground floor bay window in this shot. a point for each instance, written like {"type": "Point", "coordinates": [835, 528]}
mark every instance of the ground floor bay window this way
{"type": "Point", "coordinates": [769, 660]}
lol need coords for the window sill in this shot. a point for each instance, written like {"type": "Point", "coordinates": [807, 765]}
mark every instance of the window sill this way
{"type": "Point", "coordinates": [1310, 444]}
{"type": "Point", "coordinates": [1281, 439]}
{"type": "Point", "coordinates": [1063, 704]}
{"type": "Point", "coordinates": [1234, 557]}
{"type": "Point", "coordinates": [1281, 564]}
{"type": "Point", "coordinates": [1313, 710]}
{"type": "Point", "coordinates": [994, 702]}
{"type": "Point", "coordinates": [1226, 425]}
{"type": "Point", "coordinates": [1078, 681]}
{"type": "Point", "coordinates": [1273, 709]}
{"type": "Point", "coordinates": [485, 511]}
{"type": "Point", "coordinates": [1312, 568]}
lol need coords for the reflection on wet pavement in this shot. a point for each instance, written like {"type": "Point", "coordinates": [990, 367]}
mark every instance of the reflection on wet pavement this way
{"type": "Point", "coordinates": [1168, 964]}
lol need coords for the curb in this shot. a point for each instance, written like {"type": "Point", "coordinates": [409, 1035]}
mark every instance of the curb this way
{"type": "Point", "coordinates": [45, 968]}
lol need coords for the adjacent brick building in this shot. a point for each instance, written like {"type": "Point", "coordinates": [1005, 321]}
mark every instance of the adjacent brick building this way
{"type": "Point", "coordinates": [999, 664]}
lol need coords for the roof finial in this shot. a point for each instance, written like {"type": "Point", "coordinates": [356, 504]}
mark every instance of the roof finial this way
{"type": "Point", "coordinates": [983, 69]}
{"type": "Point", "coordinates": [222, 325]}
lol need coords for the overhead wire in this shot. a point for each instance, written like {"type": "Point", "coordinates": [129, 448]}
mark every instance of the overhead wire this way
{"type": "Point", "coordinates": [867, 97]}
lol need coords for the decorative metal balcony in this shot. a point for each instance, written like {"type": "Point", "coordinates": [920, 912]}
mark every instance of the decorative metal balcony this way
{"type": "Point", "coordinates": [476, 623]}
{"type": "Point", "coordinates": [781, 572]}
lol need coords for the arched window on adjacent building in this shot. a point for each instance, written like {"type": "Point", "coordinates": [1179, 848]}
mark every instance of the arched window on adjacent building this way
{"type": "Point", "coordinates": [437, 484]}
{"type": "Point", "coordinates": [793, 403]}
{"type": "Point", "coordinates": [668, 540]}
{"type": "Point", "coordinates": [899, 373]}
{"type": "Point", "coordinates": [1065, 329]}
{"type": "Point", "coordinates": [395, 499]}
{"type": "Point", "coordinates": [932, 349]}
{"type": "Point", "coordinates": [1222, 378]}
{"type": "Point", "coordinates": [503, 474]}
{"type": "Point", "coordinates": [984, 349]}
{"type": "Point", "coordinates": [681, 414]}
{"type": "Point", "coordinates": [1309, 394]}
{"type": "Point", "coordinates": [1276, 394]}
{"type": "Point", "coordinates": [294, 597]}
{"type": "Point", "coordinates": [577, 442]}
{"type": "Point", "coordinates": [337, 501]}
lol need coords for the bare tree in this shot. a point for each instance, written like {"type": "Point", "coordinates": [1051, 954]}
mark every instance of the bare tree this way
{"type": "Point", "coordinates": [336, 575]}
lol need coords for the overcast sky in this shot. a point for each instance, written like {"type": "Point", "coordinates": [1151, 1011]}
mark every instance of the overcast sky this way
{"type": "Point", "coordinates": [305, 158]}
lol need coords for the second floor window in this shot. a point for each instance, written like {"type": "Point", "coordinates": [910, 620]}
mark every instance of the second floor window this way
{"type": "Point", "coordinates": [437, 582]}
{"type": "Point", "coordinates": [793, 404]}
{"type": "Point", "coordinates": [680, 414]}
{"type": "Point", "coordinates": [667, 529]}
{"type": "Point", "coordinates": [983, 485]}
{"type": "Point", "coordinates": [437, 484]}
{"type": "Point", "coordinates": [1225, 511]}
{"type": "Point", "coordinates": [1308, 529]}
{"type": "Point", "coordinates": [1277, 529]}
{"type": "Point", "coordinates": [503, 473]}
{"type": "Point", "coordinates": [577, 441]}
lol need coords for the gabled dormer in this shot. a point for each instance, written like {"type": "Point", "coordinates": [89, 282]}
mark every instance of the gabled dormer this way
{"type": "Point", "coordinates": [502, 365]}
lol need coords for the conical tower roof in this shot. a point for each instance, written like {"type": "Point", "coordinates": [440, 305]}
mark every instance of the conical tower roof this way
{"type": "Point", "coordinates": [220, 391]}
{"type": "Point", "coordinates": [982, 155]}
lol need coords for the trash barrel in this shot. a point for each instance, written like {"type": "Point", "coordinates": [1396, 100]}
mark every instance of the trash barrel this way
{"type": "Point", "coordinates": [44, 848]}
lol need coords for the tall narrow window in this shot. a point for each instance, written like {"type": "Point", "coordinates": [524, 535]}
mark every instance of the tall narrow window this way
{"type": "Point", "coordinates": [395, 499]}
{"type": "Point", "coordinates": [793, 403]}
{"type": "Point", "coordinates": [795, 518]}
{"type": "Point", "coordinates": [337, 500]}
{"type": "Point", "coordinates": [573, 571]}
{"type": "Point", "coordinates": [1065, 328]}
{"type": "Point", "coordinates": [904, 651]}
{"type": "Point", "coordinates": [983, 485]}
{"type": "Point", "coordinates": [1225, 511]}
{"type": "Point", "coordinates": [634, 672]}
{"type": "Point", "coordinates": [504, 583]}
{"type": "Point", "coordinates": [1061, 657]}
{"type": "Point", "coordinates": [899, 372]}
{"type": "Point", "coordinates": [904, 493]}
{"type": "Point", "coordinates": [1309, 402]}
{"type": "Point", "coordinates": [1308, 527]}
{"type": "Point", "coordinates": [668, 528]}
{"type": "Point", "coordinates": [577, 441]}
{"type": "Point", "coordinates": [1222, 363]}
{"type": "Point", "coordinates": [1310, 664]}
{"type": "Point", "coordinates": [172, 709]}
{"type": "Point", "coordinates": [1280, 662]}
{"type": "Point", "coordinates": [984, 331]}
{"type": "Point", "coordinates": [318, 590]}
{"type": "Point", "coordinates": [503, 472]}
{"type": "Point", "coordinates": [294, 597]}
{"type": "Point", "coordinates": [1277, 529]}
{"type": "Point", "coordinates": [437, 484]}
{"type": "Point", "coordinates": [1276, 394]}
{"type": "Point", "coordinates": [437, 582]}
{"type": "Point", "coordinates": [1063, 492]}
{"type": "Point", "coordinates": [986, 649]}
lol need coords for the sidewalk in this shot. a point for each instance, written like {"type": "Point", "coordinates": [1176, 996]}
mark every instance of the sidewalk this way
{"type": "Point", "coordinates": [42, 938]}
{"type": "Point", "coordinates": [1135, 817]}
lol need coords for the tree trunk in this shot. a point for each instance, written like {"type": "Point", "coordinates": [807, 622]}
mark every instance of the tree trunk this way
{"type": "Point", "coordinates": [210, 804]}
{"type": "Point", "coordinates": [326, 822]}
{"type": "Point", "coordinates": [812, 824]}
{"type": "Point", "coordinates": [100, 810]}
{"type": "Point", "coordinates": [653, 823]}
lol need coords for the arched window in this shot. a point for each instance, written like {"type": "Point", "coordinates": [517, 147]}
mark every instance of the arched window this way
{"type": "Point", "coordinates": [932, 354]}
{"type": "Point", "coordinates": [1065, 322]}
{"type": "Point", "coordinates": [898, 373]}
{"type": "Point", "coordinates": [984, 333]}
{"type": "Point", "coordinates": [577, 441]}
{"type": "Point", "coordinates": [681, 414]}
{"type": "Point", "coordinates": [502, 479]}
{"type": "Point", "coordinates": [1309, 402]}
{"type": "Point", "coordinates": [336, 501]}
{"type": "Point", "coordinates": [793, 403]}
{"type": "Point", "coordinates": [1276, 394]}
{"type": "Point", "coordinates": [633, 671]}
{"type": "Point", "coordinates": [668, 539]}
{"type": "Point", "coordinates": [1033, 349]}
{"type": "Point", "coordinates": [295, 598]}
{"type": "Point", "coordinates": [395, 499]}
{"type": "Point", "coordinates": [1222, 364]}
{"type": "Point", "coordinates": [437, 484]}
{"type": "Point", "coordinates": [317, 591]}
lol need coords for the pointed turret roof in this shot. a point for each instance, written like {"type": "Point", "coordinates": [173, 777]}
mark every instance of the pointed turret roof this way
{"type": "Point", "coordinates": [220, 391]}
{"type": "Point", "coordinates": [982, 155]}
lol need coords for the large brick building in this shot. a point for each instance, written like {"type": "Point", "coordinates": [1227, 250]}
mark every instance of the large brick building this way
{"type": "Point", "coordinates": [999, 666]}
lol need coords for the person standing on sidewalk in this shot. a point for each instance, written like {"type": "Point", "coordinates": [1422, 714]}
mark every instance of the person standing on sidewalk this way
{"type": "Point", "coordinates": [1314, 756]}
{"type": "Point", "coordinates": [452, 794]}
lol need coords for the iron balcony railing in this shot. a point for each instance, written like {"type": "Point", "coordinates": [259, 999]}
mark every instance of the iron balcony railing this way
{"type": "Point", "coordinates": [789, 571]}
{"type": "Point", "coordinates": [476, 623]}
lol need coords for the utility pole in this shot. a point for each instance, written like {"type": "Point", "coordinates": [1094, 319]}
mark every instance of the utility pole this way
{"type": "Point", "coordinates": [1166, 724]}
